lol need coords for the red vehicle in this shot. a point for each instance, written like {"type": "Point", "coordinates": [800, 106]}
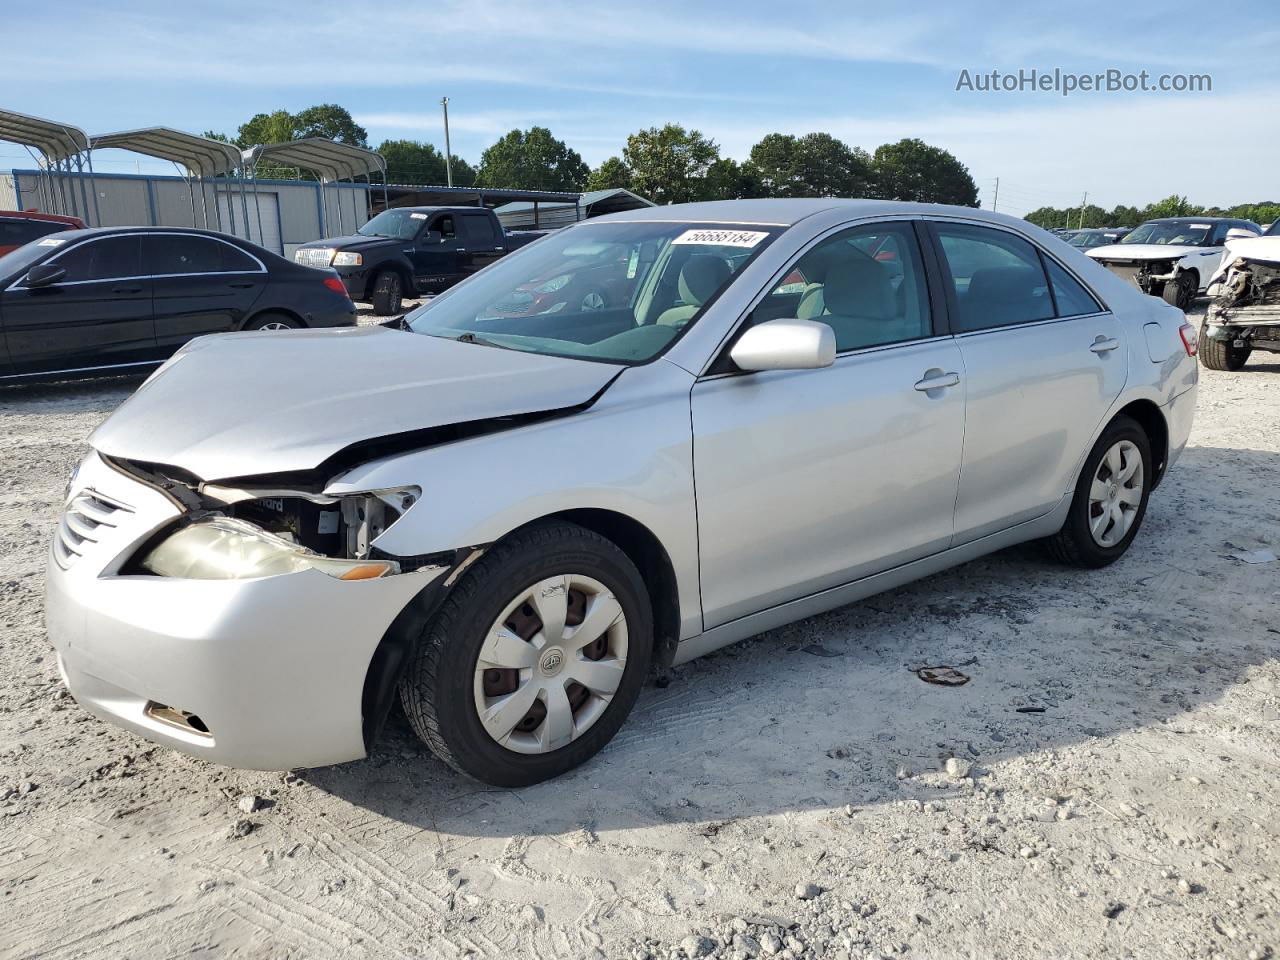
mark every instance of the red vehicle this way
{"type": "Point", "coordinates": [20, 227]}
{"type": "Point", "coordinates": [596, 282]}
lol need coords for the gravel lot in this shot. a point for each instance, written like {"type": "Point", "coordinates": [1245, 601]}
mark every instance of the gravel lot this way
{"type": "Point", "coordinates": [1105, 786]}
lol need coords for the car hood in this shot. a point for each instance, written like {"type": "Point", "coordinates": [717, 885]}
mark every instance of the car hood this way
{"type": "Point", "coordinates": [1143, 251]}
{"type": "Point", "coordinates": [243, 404]}
{"type": "Point", "coordinates": [353, 242]}
{"type": "Point", "coordinates": [1257, 248]}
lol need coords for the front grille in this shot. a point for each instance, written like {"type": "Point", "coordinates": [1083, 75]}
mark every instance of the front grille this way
{"type": "Point", "coordinates": [87, 518]}
{"type": "Point", "coordinates": [313, 256]}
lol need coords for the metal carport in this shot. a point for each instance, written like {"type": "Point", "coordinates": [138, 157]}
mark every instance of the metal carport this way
{"type": "Point", "coordinates": [330, 161]}
{"type": "Point", "coordinates": [199, 156]}
{"type": "Point", "coordinates": [59, 150]}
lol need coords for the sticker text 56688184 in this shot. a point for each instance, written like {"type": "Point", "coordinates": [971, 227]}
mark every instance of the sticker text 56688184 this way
{"type": "Point", "coordinates": [722, 238]}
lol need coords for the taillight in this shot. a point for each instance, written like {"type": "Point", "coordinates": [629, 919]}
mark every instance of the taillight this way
{"type": "Point", "coordinates": [335, 284]}
{"type": "Point", "coordinates": [1190, 339]}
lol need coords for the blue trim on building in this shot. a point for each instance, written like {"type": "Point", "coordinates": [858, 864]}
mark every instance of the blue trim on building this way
{"type": "Point", "coordinates": [17, 191]}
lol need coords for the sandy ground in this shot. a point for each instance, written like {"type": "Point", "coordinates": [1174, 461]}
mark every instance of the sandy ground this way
{"type": "Point", "coordinates": [1135, 814]}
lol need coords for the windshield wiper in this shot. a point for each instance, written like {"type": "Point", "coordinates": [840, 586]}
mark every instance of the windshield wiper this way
{"type": "Point", "coordinates": [470, 337]}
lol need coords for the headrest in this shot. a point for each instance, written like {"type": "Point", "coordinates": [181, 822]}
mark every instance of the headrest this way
{"type": "Point", "coordinates": [701, 277]}
{"type": "Point", "coordinates": [1008, 285]}
{"type": "Point", "coordinates": [859, 287]}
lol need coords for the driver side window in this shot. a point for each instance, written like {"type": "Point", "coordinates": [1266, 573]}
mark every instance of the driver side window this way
{"type": "Point", "coordinates": [444, 225]}
{"type": "Point", "coordinates": [866, 283]}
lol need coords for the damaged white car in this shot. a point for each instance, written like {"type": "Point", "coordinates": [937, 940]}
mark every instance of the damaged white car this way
{"type": "Point", "coordinates": [508, 521]}
{"type": "Point", "coordinates": [1173, 257]}
{"type": "Point", "coordinates": [1245, 313]}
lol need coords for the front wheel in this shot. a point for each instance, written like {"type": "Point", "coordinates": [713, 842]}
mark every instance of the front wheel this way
{"type": "Point", "coordinates": [1221, 354]}
{"type": "Point", "coordinates": [388, 292]}
{"type": "Point", "coordinates": [1181, 292]}
{"type": "Point", "coordinates": [534, 660]}
{"type": "Point", "coordinates": [1110, 499]}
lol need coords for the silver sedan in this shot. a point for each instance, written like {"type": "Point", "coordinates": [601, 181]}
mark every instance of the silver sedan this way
{"type": "Point", "coordinates": [507, 519]}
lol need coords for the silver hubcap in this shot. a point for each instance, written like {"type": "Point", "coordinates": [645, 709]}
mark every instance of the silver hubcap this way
{"type": "Point", "coordinates": [1116, 494]}
{"type": "Point", "coordinates": [275, 325]}
{"type": "Point", "coordinates": [593, 301]}
{"type": "Point", "coordinates": [550, 664]}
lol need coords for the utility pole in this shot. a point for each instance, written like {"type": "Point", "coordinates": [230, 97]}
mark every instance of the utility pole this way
{"type": "Point", "coordinates": [448, 154]}
{"type": "Point", "coordinates": [995, 197]}
{"type": "Point", "coordinates": [1083, 200]}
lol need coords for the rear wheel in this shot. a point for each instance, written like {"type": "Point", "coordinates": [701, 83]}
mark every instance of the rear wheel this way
{"type": "Point", "coordinates": [1221, 354]}
{"type": "Point", "coordinates": [1110, 499]}
{"type": "Point", "coordinates": [534, 660]}
{"type": "Point", "coordinates": [273, 321]}
{"type": "Point", "coordinates": [388, 292]}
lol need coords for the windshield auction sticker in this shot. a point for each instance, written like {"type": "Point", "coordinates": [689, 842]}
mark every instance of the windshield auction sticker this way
{"type": "Point", "coordinates": [721, 238]}
{"type": "Point", "coordinates": [50, 242]}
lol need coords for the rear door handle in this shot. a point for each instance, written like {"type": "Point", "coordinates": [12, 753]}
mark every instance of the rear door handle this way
{"type": "Point", "coordinates": [240, 284]}
{"type": "Point", "coordinates": [937, 380]}
{"type": "Point", "coordinates": [1103, 344]}
{"type": "Point", "coordinates": [126, 289]}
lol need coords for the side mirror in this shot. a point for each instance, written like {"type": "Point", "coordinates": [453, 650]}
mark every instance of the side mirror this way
{"type": "Point", "coordinates": [44, 275]}
{"type": "Point", "coordinates": [785, 345]}
{"type": "Point", "coordinates": [1240, 233]}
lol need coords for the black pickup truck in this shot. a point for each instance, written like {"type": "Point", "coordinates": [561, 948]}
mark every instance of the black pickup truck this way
{"type": "Point", "coordinates": [407, 251]}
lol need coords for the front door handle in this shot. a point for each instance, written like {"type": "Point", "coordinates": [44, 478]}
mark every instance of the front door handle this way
{"type": "Point", "coordinates": [1103, 344]}
{"type": "Point", "coordinates": [126, 289]}
{"type": "Point", "coordinates": [240, 284]}
{"type": "Point", "coordinates": [936, 379]}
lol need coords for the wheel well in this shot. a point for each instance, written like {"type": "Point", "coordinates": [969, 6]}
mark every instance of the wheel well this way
{"type": "Point", "coordinates": [1153, 424]}
{"type": "Point", "coordinates": [392, 266]}
{"type": "Point", "coordinates": [646, 551]}
{"type": "Point", "coordinates": [261, 313]}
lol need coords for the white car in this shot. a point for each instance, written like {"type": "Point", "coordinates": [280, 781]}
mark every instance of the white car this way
{"type": "Point", "coordinates": [1174, 257]}
{"type": "Point", "coordinates": [1245, 313]}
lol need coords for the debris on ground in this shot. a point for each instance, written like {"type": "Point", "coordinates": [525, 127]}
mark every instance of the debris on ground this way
{"type": "Point", "coordinates": [943, 676]}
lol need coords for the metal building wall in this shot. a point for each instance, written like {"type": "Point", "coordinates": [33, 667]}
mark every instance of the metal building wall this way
{"type": "Point", "coordinates": [8, 195]}
{"type": "Point", "coordinates": [148, 200]}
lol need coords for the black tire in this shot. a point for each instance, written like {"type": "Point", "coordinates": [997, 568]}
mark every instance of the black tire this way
{"type": "Point", "coordinates": [274, 321]}
{"type": "Point", "coordinates": [388, 293]}
{"type": "Point", "coordinates": [1181, 292]}
{"type": "Point", "coordinates": [437, 689]}
{"type": "Point", "coordinates": [1074, 543]}
{"type": "Point", "coordinates": [1221, 354]}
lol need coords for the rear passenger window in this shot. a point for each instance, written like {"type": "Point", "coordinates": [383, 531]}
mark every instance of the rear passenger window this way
{"type": "Point", "coordinates": [866, 283]}
{"type": "Point", "coordinates": [1072, 299]}
{"type": "Point", "coordinates": [180, 253]}
{"type": "Point", "coordinates": [478, 229]}
{"type": "Point", "coordinates": [997, 276]}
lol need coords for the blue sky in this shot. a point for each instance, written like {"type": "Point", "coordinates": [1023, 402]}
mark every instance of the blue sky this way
{"type": "Point", "coordinates": [865, 72]}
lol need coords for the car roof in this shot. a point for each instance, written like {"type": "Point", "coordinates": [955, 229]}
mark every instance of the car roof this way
{"type": "Point", "coordinates": [1189, 218]}
{"type": "Point", "coordinates": [788, 212]}
{"type": "Point", "coordinates": [36, 215]}
{"type": "Point", "coordinates": [463, 208]}
{"type": "Point", "coordinates": [102, 231]}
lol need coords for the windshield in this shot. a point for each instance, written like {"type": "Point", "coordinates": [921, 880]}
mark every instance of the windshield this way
{"type": "Point", "coordinates": [619, 292]}
{"type": "Point", "coordinates": [1186, 233]}
{"type": "Point", "coordinates": [1273, 230]}
{"type": "Point", "coordinates": [394, 224]}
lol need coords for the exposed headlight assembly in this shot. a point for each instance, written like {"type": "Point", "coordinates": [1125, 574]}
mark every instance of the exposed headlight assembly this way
{"type": "Point", "coordinates": [223, 548]}
{"type": "Point", "coordinates": [345, 258]}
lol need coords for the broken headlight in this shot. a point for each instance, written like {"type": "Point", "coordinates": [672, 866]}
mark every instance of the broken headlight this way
{"type": "Point", "coordinates": [222, 548]}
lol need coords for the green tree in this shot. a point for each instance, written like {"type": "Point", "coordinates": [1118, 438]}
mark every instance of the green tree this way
{"type": "Point", "coordinates": [827, 167]}
{"type": "Point", "coordinates": [776, 164]}
{"type": "Point", "coordinates": [1171, 206]}
{"type": "Point", "coordinates": [410, 161]}
{"type": "Point", "coordinates": [332, 122]}
{"type": "Point", "coordinates": [532, 160]}
{"type": "Point", "coordinates": [276, 127]}
{"type": "Point", "coordinates": [727, 179]}
{"type": "Point", "coordinates": [464, 174]}
{"type": "Point", "coordinates": [669, 164]}
{"type": "Point", "coordinates": [1122, 216]}
{"type": "Point", "coordinates": [913, 170]}
{"type": "Point", "coordinates": [1047, 217]}
{"type": "Point", "coordinates": [611, 174]}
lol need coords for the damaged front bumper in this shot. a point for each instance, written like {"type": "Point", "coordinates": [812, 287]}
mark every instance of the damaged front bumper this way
{"type": "Point", "coordinates": [1245, 311]}
{"type": "Point", "coordinates": [1149, 276]}
{"type": "Point", "coordinates": [269, 673]}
